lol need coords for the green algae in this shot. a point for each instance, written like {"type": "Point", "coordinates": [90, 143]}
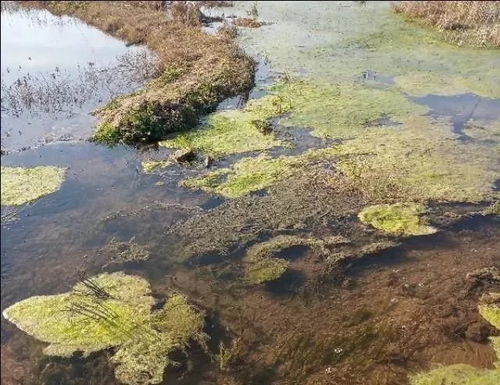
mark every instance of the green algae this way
{"type": "Point", "coordinates": [234, 131]}
{"type": "Point", "coordinates": [261, 265]}
{"type": "Point", "coordinates": [350, 40]}
{"type": "Point", "coordinates": [247, 175]}
{"type": "Point", "coordinates": [420, 160]}
{"type": "Point", "coordinates": [265, 270]}
{"type": "Point", "coordinates": [153, 165]}
{"type": "Point", "coordinates": [420, 83]}
{"type": "Point", "coordinates": [344, 111]}
{"type": "Point", "coordinates": [459, 374]}
{"type": "Point", "coordinates": [269, 248]}
{"type": "Point", "coordinates": [112, 310]}
{"type": "Point", "coordinates": [462, 374]}
{"type": "Point", "coordinates": [22, 185]}
{"type": "Point", "coordinates": [399, 218]}
{"type": "Point", "coordinates": [122, 252]}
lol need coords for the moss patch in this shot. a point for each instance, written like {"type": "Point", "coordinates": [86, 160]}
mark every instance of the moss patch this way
{"type": "Point", "coordinates": [247, 175]}
{"type": "Point", "coordinates": [457, 374]}
{"type": "Point", "coordinates": [234, 131]}
{"type": "Point", "coordinates": [22, 185]}
{"type": "Point", "coordinates": [418, 161]}
{"type": "Point", "coordinates": [112, 310]}
{"type": "Point", "coordinates": [401, 218]}
{"type": "Point", "coordinates": [344, 110]}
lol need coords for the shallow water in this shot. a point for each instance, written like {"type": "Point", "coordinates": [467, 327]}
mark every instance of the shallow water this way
{"type": "Point", "coordinates": [299, 329]}
{"type": "Point", "coordinates": [55, 70]}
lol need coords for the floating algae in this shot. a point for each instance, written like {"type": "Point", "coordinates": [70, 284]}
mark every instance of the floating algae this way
{"type": "Point", "coordinates": [421, 160]}
{"type": "Point", "coordinates": [399, 218]}
{"type": "Point", "coordinates": [22, 185]}
{"type": "Point", "coordinates": [462, 374]}
{"type": "Point", "coordinates": [247, 175]}
{"type": "Point", "coordinates": [234, 131]}
{"type": "Point", "coordinates": [112, 311]}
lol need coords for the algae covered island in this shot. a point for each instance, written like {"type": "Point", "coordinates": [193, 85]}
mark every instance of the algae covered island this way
{"type": "Point", "coordinates": [250, 193]}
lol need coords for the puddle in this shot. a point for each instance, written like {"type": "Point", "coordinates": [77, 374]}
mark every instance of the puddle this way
{"type": "Point", "coordinates": [462, 109]}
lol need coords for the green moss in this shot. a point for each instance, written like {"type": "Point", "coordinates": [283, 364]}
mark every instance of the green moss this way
{"type": "Point", "coordinates": [247, 175]}
{"type": "Point", "coordinates": [152, 165]}
{"type": "Point", "coordinates": [418, 161]}
{"type": "Point", "coordinates": [265, 270]}
{"type": "Point", "coordinates": [21, 185]}
{"type": "Point", "coordinates": [112, 310]}
{"type": "Point", "coordinates": [400, 218]}
{"type": "Point", "coordinates": [344, 110]}
{"type": "Point", "coordinates": [491, 313]}
{"type": "Point", "coordinates": [269, 248]}
{"type": "Point", "coordinates": [423, 83]}
{"type": "Point", "coordinates": [459, 374]}
{"type": "Point", "coordinates": [234, 131]}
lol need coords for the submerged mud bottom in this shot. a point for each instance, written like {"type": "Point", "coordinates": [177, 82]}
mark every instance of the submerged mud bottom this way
{"type": "Point", "coordinates": [390, 315]}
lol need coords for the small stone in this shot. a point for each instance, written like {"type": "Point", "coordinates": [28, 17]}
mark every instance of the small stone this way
{"type": "Point", "coordinates": [183, 155]}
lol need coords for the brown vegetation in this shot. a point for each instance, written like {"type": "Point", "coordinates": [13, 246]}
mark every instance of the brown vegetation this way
{"type": "Point", "coordinates": [198, 70]}
{"type": "Point", "coordinates": [474, 23]}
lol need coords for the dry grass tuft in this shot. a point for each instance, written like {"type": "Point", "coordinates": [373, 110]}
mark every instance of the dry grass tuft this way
{"type": "Point", "coordinates": [199, 70]}
{"type": "Point", "coordinates": [475, 23]}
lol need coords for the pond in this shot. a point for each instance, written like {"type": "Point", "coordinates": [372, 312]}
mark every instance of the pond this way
{"type": "Point", "coordinates": [396, 306]}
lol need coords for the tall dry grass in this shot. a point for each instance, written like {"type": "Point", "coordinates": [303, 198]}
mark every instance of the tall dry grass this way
{"type": "Point", "coordinates": [475, 23]}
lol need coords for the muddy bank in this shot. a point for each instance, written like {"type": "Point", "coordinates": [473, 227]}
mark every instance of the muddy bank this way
{"type": "Point", "coordinates": [198, 70]}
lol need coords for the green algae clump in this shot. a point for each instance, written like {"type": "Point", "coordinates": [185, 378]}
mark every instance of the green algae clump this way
{"type": "Point", "coordinates": [234, 131]}
{"type": "Point", "coordinates": [247, 175]}
{"type": "Point", "coordinates": [112, 311]}
{"type": "Point", "coordinates": [265, 270]}
{"type": "Point", "coordinates": [459, 374]}
{"type": "Point", "coordinates": [22, 185]}
{"type": "Point", "coordinates": [400, 218]}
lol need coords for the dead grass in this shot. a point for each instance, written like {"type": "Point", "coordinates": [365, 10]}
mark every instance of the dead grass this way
{"type": "Point", "coordinates": [475, 23]}
{"type": "Point", "coordinates": [199, 70]}
{"type": "Point", "coordinates": [247, 22]}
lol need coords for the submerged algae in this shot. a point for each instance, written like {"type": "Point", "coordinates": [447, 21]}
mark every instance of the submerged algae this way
{"type": "Point", "coordinates": [462, 374]}
{"type": "Point", "coordinates": [234, 131]}
{"type": "Point", "coordinates": [420, 160]}
{"type": "Point", "coordinates": [399, 218]}
{"type": "Point", "coordinates": [22, 185]}
{"type": "Point", "coordinates": [264, 270]}
{"type": "Point", "coordinates": [247, 175]}
{"type": "Point", "coordinates": [112, 310]}
{"type": "Point", "coordinates": [152, 165]}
